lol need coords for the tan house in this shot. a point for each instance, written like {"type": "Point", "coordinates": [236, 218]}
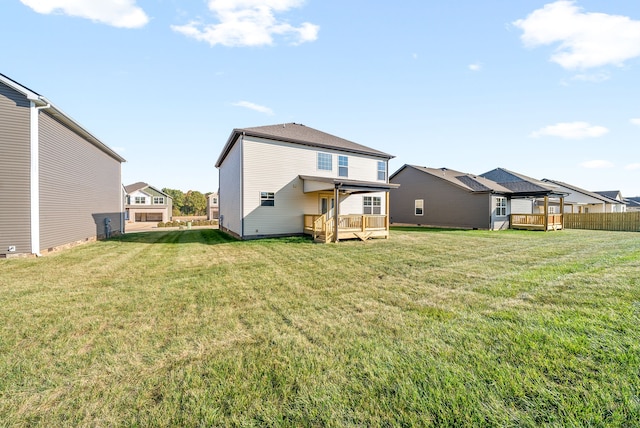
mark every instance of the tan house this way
{"type": "Point", "coordinates": [581, 201]}
{"type": "Point", "coordinates": [213, 209]}
{"type": "Point", "coordinates": [59, 184]}
{"type": "Point", "coordinates": [145, 203]}
{"type": "Point", "coordinates": [290, 179]}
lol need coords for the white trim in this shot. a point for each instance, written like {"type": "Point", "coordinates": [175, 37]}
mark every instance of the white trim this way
{"type": "Point", "coordinates": [34, 178]}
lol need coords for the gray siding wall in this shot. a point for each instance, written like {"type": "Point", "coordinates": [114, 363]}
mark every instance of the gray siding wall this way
{"type": "Point", "coordinates": [445, 205]}
{"type": "Point", "coordinates": [15, 167]}
{"type": "Point", "coordinates": [80, 186]}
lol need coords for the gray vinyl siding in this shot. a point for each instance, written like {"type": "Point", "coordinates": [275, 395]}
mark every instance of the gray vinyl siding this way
{"type": "Point", "coordinates": [445, 205]}
{"type": "Point", "coordinates": [521, 206]}
{"type": "Point", "coordinates": [80, 185]}
{"type": "Point", "coordinates": [15, 164]}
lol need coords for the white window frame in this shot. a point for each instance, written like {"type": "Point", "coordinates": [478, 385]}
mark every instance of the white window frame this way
{"type": "Point", "coordinates": [139, 200]}
{"type": "Point", "coordinates": [158, 200]}
{"type": "Point", "coordinates": [501, 206]}
{"type": "Point", "coordinates": [343, 166]}
{"type": "Point", "coordinates": [372, 204]}
{"type": "Point", "coordinates": [419, 207]}
{"type": "Point", "coordinates": [324, 162]}
{"type": "Point", "coordinates": [267, 199]}
{"type": "Point", "coordinates": [382, 171]}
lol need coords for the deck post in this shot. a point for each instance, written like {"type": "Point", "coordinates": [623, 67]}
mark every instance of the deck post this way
{"type": "Point", "coordinates": [562, 212]}
{"type": "Point", "coordinates": [386, 209]}
{"type": "Point", "coordinates": [336, 214]}
{"type": "Point", "coordinates": [546, 213]}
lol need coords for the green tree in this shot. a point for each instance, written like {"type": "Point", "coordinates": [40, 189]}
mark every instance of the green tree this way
{"type": "Point", "coordinates": [195, 203]}
{"type": "Point", "coordinates": [178, 199]}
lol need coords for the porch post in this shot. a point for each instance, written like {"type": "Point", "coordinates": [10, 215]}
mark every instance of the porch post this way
{"type": "Point", "coordinates": [562, 212]}
{"type": "Point", "coordinates": [546, 213]}
{"type": "Point", "coordinates": [386, 209]}
{"type": "Point", "coordinates": [336, 214]}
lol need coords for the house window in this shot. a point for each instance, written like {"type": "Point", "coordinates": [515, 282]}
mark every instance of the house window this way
{"type": "Point", "coordinates": [382, 171]}
{"type": "Point", "coordinates": [553, 210]}
{"type": "Point", "coordinates": [372, 205]}
{"type": "Point", "coordinates": [141, 200]}
{"type": "Point", "coordinates": [267, 199]}
{"type": "Point", "coordinates": [158, 200]}
{"type": "Point", "coordinates": [343, 166]}
{"type": "Point", "coordinates": [419, 206]}
{"type": "Point", "coordinates": [214, 201]}
{"type": "Point", "coordinates": [501, 207]}
{"type": "Point", "coordinates": [324, 162]}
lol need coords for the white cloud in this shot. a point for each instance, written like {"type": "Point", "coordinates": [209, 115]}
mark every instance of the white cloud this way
{"type": "Point", "coordinates": [635, 121]}
{"type": "Point", "coordinates": [596, 164]}
{"type": "Point", "coordinates": [255, 107]}
{"type": "Point", "coordinates": [571, 130]}
{"type": "Point", "coordinates": [475, 66]}
{"type": "Point", "coordinates": [249, 23]}
{"type": "Point", "coordinates": [118, 13]}
{"type": "Point", "coordinates": [632, 166]}
{"type": "Point", "coordinates": [585, 39]}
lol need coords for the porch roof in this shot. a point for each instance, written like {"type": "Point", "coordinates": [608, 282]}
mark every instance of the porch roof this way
{"type": "Point", "coordinates": [316, 184]}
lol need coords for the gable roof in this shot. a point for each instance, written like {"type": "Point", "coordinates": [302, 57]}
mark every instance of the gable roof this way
{"type": "Point", "coordinates": [469, 182]}
{"type": "Point", "coordinates": [610, 194]}
{"type": "Point", "coordinates": [297, 133]}
{"type": "Point", "coordinates": [521, 184]}
{"type": "Point", "coordinates": [58, 114]}
{"type": "Point", "coordinates": [141, 186]}
{"type": "Point", "coordinates": [595, 195]}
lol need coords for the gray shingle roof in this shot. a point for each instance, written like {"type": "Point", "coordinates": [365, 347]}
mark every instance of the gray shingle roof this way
{"type": "Point", "coordinates": [470, 182]}
{"type": "Point", "coordinates": [299, 134]}
{"type": "Point", "coordinates": [595, 195]}
{"type": "Point", "coordinates": [519, 183]}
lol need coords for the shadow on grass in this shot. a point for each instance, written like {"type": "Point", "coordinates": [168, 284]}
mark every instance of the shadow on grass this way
{"type": "Point", "coordinates": [198, 236]}
{"type": "Point", "coordinates": [426, 229]}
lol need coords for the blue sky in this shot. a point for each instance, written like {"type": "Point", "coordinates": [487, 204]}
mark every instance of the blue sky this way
{"type": "Point", "coordinates": [548, 89]}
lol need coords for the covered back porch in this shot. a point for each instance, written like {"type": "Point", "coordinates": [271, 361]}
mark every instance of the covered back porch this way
{"type": "Point", "coordinates": [329, 225]}
{"type": "Point", "coordinates": [543, 221]}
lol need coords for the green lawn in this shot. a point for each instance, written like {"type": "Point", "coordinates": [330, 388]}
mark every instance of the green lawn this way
{"type": "Point", "coordinates": [429, 328]}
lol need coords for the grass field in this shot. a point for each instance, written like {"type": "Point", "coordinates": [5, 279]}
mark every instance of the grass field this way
{"type": "Point", "coordinates": [429, 328]}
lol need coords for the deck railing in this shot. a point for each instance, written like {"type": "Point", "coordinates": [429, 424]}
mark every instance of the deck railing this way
{"type": "Point", "coordinates": [322, 228]}
{"type": "Point", "coordinates": [536, 221]}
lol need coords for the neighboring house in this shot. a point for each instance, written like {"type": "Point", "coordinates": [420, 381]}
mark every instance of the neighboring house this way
{"type": "Point", "coordinates": [59, 184]}
{"type": "Point", "coordinates": [212, 206]}
{"type": "Point", "coordinates": [535, 204]}
{"type": "Point", "coordinates": [618, 205]}
{"type": "Point", "coordinates": [290, 179]}
{"type": "Point", "coordinates": [443, 197]}
{"type": "Point", "coordinates": [145, 203]}
{"type": "Point", "coordinates": [632, 204]}
{"type": "Point", "coordinates": [581, 201]}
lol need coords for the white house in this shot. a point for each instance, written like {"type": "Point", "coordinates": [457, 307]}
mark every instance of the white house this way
{"type": "Point", "coordinates": [583, 201]}
{"type": "Point", "coordinates": [289, 179]}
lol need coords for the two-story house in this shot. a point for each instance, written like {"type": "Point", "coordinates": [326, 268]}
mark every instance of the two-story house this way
{"type": "Point", "coordinates": [145, 203]}
{"type": "Point", "coordinates": [290, 179]}
{"type": "Point", "coordinates": [212, 206]}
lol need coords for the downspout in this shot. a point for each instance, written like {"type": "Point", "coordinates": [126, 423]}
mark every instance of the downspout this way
{"type": "Point", "coordinates": [34, 144]}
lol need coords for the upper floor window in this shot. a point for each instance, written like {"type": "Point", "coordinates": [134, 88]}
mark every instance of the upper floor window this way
{"type": "Point", "coordinates": [501, 207]}
{"type": "Point", "coordinates": [419, 207]}
{"type": "Point", "coordinates": [324, 162]}
{"type": "Point", "coordinates": [267, 199]}
{"type": "Point", "coordinates": [343, 166]}
{"type": "Point", "coordinates": [140, 200]}
{"type": "Point", "coordinates": [371, 204]}
{"type": "Point", "coordinates": [158, 200]}
{"type": "Point", "coordinates": [214, 201]}
{"type": "Point", "coordinates": [382, 170]}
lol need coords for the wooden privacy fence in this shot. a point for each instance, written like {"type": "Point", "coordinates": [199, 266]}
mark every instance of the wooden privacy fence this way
{"type": "Point", "coordinates": [628, 221]}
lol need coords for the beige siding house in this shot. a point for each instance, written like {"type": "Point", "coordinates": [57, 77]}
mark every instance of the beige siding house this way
{"type": "Point", "coordinates": [212, 206]}
{"type": "Point", "coordinates": [290, 179]}
{"type": "Point", "coordinates": [581, 201]}
{"type": "Point", "coordinates": [59, 184]}
{"type": "Point", "coordinates": [145, 203]}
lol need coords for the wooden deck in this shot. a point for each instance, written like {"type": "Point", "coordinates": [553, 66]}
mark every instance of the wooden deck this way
{"type": "Point", "coordinates": [349, 227]}
{"type": "Point", "coordinates": [536, 221]}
